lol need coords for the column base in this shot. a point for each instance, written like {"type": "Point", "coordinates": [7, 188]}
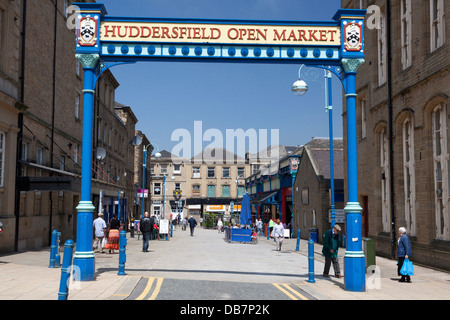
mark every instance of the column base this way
{"type": "Point", "coordinates": [354, 271]}
{"type": "Point", "coordinates": [84, 263]}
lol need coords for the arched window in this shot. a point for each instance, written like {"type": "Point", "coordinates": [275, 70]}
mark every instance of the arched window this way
{"type": "Point", "coordinates": [441, 170]}
{"type": "Point", "coordinates": [385, 180]}
{"type": "Point", "coordinates": [409, 175]}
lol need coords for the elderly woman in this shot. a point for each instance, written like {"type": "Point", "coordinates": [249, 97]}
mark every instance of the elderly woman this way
{"type": "Point", "coordinates": [403, 252]}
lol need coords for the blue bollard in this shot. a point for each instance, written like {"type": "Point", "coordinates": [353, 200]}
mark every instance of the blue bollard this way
{"type": "Point", "coordinates": [311, 261]}
{"type": "Point", "coordinates": [122, 253]}
{"type": "Point", "coordinates": [267, 232]}
{"type": "Point", "coordinates": [297, 248]}
{"type": "Point", "coordinates": [58, 256]}
{"type": "Point", "coordinates": [66, 270]}
{"type": "Point", "coordinates": [53, 249]}
{"type": "Point", "coordinates": [171, 230]}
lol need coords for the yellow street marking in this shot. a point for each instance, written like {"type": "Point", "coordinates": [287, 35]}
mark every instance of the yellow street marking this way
{"type": "Point", "coordinates": [157, 289]}
{"type": "Point", "coordinates": [295, 292]}
{"type": "Point", "coordinates": [147, 289]}
{"type": "Point", "coordinates": [280, 287]}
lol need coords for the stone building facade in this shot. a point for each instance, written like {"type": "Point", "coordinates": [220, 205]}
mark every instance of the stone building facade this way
{"type": "Point", "coordinates": [403, 137]}
{"type": "Point", "coordinates": [11, 107]}
{"type": "Point", "coordinates": [41, 85]}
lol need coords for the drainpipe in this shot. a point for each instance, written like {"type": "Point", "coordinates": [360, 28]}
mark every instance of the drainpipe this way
{"type": "Point", "coordinates": [20, 127]}
{"type": "Point", "coordinates": [390, 108]}
{"type": "Point", "coordinates": [53, 117]}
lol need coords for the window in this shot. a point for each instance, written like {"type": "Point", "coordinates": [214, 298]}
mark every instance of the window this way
{"type": "Point", "coordinates": [211, 172]}
{"type": "Point", "coordinates": [225, 191]}
{"type": "Point", "coordinates": [441, 171]}
{"type": "Point", "coordinates": [77, 105]}
{"type": "Point", "coordinates": [255, 168]}
{"type": "Point", "coordinates": [211, 191]}
{"type": "Point", "coordinates": [1, 33]}
{"type": "Point", "coordinates": [177, 186]}
{"type": "Point", "coordinates": [24, 157]}
{"type": "Point", "coordinates": [409, 176]}
{"type": "Point", "coordinates": [39, 156]}
{"type": "Point", "coordinates": [2, 157]}
{"type": "Point", "coordinates": [196, 172]}
{"type": "Point", "coordinates": [305, 196]}
{"type": "Point", "coordinates": [241, 191]}
{"type": "Point", "coordinates": [157, 189]}
{"type": "Point", "coordinates": [385, 180]}
{"type": "Point", "coordinates": [225, 172]}
{"type": "Point", "coordinates": [176, 168]}
{"type": "Point", "coordinates": [156, 210]}
{"type": "Point", "coordinates": [164, 168]}
{"type": "Point", "coordinates": [382, 56]}
{"type": "Point", "coordinates": [363, 103]}
{"type": "Point", "coordinates": [437, 25]}
{"type": "Point", "coordinates": [241, 172]}
{"type": "Point", "coordinates": [75, 153]}
{"type": "Point", "coordinates": [77, 67]}
{"type": "Point", "coordinates": [62, 163]}
{"type": "Point", "coordinates": [196, 189]}
{"type": "Point", "coordinates": [406, 33]}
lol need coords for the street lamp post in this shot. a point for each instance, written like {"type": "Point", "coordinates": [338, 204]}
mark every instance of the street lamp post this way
{"type": "Point", "coordinates": [329, 107]}
{"type": "Point", "coordinates": [354, 260]}
{"type": "Point", "coordinates": [144, 165]}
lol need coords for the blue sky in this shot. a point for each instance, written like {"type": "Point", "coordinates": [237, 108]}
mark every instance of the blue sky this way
{"type": "Point", "coordinates": [166, 96]}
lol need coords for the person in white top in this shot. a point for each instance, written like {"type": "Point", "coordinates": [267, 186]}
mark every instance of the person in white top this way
{"type": "Point", "coordinates": [219, 225]}
{"type": "Point", "coordinates": [99, 227]}
{"type": "Point", "coordinates": [278, 233]}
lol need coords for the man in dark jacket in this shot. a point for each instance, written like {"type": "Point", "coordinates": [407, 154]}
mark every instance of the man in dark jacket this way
{"type": "Point", "coordinates": [146, 227]}
{"type": "Point", "coordinates": [330, 250]}
{"type": "Point", "coordinates": [192, 223]}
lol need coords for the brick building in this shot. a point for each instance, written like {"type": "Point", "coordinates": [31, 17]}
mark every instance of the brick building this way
{"type": "Point", "coordinates": [41, 103]}
{"type": "Point", "coordinates": [312, 194]}
{"type": "Point", "coordinates": [403, 137]}
{"type": "Point", "coordinates": [10, 111]}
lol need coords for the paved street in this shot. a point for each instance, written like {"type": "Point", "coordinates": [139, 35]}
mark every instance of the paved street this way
{"type": "Point", "coordinates": [205, 267]}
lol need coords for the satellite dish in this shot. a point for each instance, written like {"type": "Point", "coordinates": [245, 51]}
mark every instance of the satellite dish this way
{"type": "Point", "coordinates": [100, 154]}
{"type": "Point", "coordinates": [136, 141]}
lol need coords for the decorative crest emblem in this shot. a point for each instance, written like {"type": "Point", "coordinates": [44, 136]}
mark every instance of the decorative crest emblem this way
{"type": "Point", "coordinates": [353, 40]}
{"type": "Point", "coordinates": [87, 32]}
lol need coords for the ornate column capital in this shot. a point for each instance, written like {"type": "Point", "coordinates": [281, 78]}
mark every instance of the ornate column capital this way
{"type": "Point", "coordinates": [351, 65]}
{"type": "Point", "coordinates": [88, 60]}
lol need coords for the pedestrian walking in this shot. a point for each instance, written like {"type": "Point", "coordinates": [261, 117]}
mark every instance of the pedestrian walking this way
{"type": "Point", "coordinates": [404, 251]}
{"type": "Point", "coordinates": [113, 234]}
{"type": "Point", "coordinates": [146, 225]}
{"type": "Point", "coordinates": [271, 224]}
{"type": "Point", "coordinates": [192, 224]}
{"type": "Point", "coordinates": [132, 224]}
{"type": "Point", "coordinates": [278, 233]}
{"type": "Point", "coordinates": [184, 222]}
{"type": "Point", "coordinates": [330, 251]}
{"type": "Point", "coordinates": [259, 226]}
{"type": "Point", "coordinates": [99, 228]}
{"type": "Point", "coordinates": [219, 225]}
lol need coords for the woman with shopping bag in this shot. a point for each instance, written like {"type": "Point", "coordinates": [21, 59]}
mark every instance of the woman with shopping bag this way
{"type": "Point", "coordinates": [404, 252]}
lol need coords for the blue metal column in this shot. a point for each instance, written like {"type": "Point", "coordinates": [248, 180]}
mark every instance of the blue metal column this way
{"type": "Point", "coordinates": [84, 257]}
{"type": "Point", "coordinates": [354, 261]}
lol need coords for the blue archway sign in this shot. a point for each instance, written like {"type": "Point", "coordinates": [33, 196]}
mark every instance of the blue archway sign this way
{"type": "Point", "coordinates": [337, 45]}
